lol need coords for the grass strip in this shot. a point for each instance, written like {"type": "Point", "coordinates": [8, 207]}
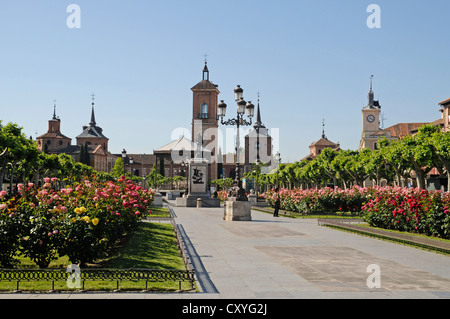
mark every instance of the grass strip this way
{"type": "Point", "coordinates": [151, 245]}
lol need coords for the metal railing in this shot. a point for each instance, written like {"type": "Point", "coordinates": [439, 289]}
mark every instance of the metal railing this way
{"type": "Point", "coordinates": [90, 274]}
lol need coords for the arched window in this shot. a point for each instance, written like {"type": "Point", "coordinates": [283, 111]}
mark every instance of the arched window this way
{"type": "Point", "coordinates": [204, 111]}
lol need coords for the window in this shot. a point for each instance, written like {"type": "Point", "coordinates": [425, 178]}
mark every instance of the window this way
{"type": "Point", "coordinates": [204, 111]}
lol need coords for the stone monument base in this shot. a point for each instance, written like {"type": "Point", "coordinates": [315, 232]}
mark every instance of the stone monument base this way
{"type": "Point", "coordinates": [157, 200]}
{"type": "Point", "coordinates": [237, 210]}
{"type": "Point", "coordinates": [191, 201]}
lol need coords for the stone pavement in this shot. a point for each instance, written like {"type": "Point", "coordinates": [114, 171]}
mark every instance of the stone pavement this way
{"type": "Point", "coordinates": [296, 258]}
{"type": "Point", "coordinates": [292, 259]}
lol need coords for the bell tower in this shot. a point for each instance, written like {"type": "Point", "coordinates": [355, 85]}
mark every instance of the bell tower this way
{"type": "Point", "coordinates": [205, 122]}
{"type": "Point", "coordinates": [370, 121]}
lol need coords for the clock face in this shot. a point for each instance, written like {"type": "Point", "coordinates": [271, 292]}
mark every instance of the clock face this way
{"type": "Point", "coordinates": [370, 118]}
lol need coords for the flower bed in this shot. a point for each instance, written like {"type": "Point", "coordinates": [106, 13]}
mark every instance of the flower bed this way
{"type": "Point", "coordinates": [404, 209]}
{"type": "Point", "coordinates": [84, 221]}
{"type": "Point", "coordinates": [409, 209]}
{"type": "Point", "coordinates": [324, 200]}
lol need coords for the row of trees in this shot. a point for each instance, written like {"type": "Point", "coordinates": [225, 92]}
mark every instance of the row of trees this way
{"type": "Point", "coordinates": [22, 162]}
{"type": "Point", "coordinates": [395, 161]}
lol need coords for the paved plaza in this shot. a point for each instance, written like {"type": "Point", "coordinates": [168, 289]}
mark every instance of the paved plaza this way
{"type": "Point", "coordinates": [296, 258]}
{"type": "Point", "coordinates": [291, 259]}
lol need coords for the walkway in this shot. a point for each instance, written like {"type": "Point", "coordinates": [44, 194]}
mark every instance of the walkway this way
{"type": "Point", "coordinates": [291, 259]}
{"type": "Point", "coordinates": [296, 258]}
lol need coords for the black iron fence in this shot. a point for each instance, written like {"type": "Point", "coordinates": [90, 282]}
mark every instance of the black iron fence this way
{"type": "Point", "coordinates": [96, 274]}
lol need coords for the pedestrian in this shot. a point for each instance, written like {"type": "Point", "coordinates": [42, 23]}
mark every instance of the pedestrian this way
{"type": "Point", "coordinates": [277, 203]}
{"type": "Point", "coordinates": [215, 194]}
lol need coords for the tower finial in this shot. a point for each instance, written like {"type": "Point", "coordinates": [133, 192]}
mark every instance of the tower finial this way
{"type": "Point", "coordinates": [371, 95]}
{"type": "Point", "coordinates": [92, 123]}
{"type": "Point", "coordinates": [205, 70]}
{"type": "Point", "coordinates": [323, 129]}
{"type": "Point", "coordinates": [54, 110]}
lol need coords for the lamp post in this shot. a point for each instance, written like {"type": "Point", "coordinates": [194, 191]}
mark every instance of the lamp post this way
{"type": "Point", "coordinates": [278, 158]}
{"type": "Point", "coordinates": [242, 107]}
{"type": "Point", "coordinates": [142, 171]}
{"type": "Point", "coordinates": [124, 155]}
{"type": "Point", "coordinates": [257, 174]}
{"type": "Point", "coordinates": [131, 168]}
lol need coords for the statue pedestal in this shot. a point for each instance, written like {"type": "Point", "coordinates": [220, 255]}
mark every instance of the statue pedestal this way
{"type": "Point", "coordinates": [237, 210]}
{"type": "Point", "coordinates": [198, 182]}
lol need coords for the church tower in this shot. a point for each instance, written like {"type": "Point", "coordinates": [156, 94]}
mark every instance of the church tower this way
{"type": "Point", "coordinates": [204, 118]}
{"type": "Point", "coordinates": [92, 134]}
{"type": "Point", "coordinates": [370, 121]}
{"type": "Point", "coordinates": [53, 141]}
{"type": "Point", "coordinates": [258, 144]}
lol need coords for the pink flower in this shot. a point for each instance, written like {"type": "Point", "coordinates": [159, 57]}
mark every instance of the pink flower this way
{"type": "Point", "coordinates": [3, 206]}
{"type": "Point", "coordinates": [30, 184]}
{"type": "Point", "coordinates": [54, 179]}
{"type": "Point", "coordinates": [20, 186]}
{"type": "Point", "coordinates": [46, 180]}
{"type": "Point", "coordinates": [2, 194]}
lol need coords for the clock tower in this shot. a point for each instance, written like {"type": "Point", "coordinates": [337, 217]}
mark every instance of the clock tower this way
{"type": "Point", "coordinates": [370, 122]}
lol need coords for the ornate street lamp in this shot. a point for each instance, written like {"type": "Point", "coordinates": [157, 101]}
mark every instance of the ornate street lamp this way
{"type": "Point", "coordinates": [242, 107]}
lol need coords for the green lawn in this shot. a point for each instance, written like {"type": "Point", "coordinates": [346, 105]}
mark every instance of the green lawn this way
{"type": "Point", "coordinates": [159, 212]}
{"type": "Point", "coordinates": [152, 246]}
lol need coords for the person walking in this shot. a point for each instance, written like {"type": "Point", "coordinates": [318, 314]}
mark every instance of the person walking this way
{"type": "Point", "coordinates": [277, 203]}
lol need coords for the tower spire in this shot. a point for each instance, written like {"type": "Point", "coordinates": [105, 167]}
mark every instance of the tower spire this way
{"type": "Point", "coordinates": [323, 129]}
{"type": "Point", "coordinates": [371, 94]}
{"type": "Point", "coordinates": [54, 110]}
{"type": "Point", "coordinates": [258, 122]}
{"type": "Point", "coordinates": [92, 123]}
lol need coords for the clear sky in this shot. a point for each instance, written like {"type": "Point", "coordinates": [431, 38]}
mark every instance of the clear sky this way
{"type": "Point", "coordinates": [310, 60]}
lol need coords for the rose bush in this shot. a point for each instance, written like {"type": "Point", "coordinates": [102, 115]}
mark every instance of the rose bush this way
{"type": "Point", "coordinates": [83, 221]}
{"type": "Point", "coordinates": [409, 209]}
{"type": "Point", "coordinates": [404, 209]}
{"type": "Point", "coordinates": [324, 200]}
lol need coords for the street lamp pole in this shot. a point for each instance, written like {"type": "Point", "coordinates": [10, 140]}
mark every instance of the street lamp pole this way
{"type": "Point", "coordinates": [124, 155]}
{"type": "Point", "coordinates": [242, 107]}
{"type": "Point", "coordinates": [278, 158]}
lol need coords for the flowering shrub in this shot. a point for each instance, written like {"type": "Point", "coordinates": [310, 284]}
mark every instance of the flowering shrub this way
{"type": "Point", "coordinates": [82, 222]}
{"type": "Point", "coordinates": [404, 209]}
{"type": "Point", "coordinates": [324, 200]}
{"type": "Point", "coordinates": [409, 209]}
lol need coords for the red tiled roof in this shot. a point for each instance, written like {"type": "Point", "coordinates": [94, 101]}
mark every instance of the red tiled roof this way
{"type": "Point", "coordinates": [447, 101]}
{"type": "Point", "coordinates": [403, 129]}
{"type": "Point", "coordinates": [324, 142]}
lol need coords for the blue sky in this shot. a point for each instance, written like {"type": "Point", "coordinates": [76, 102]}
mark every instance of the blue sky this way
{"type": "Point", "coordinates": [310, 60]}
